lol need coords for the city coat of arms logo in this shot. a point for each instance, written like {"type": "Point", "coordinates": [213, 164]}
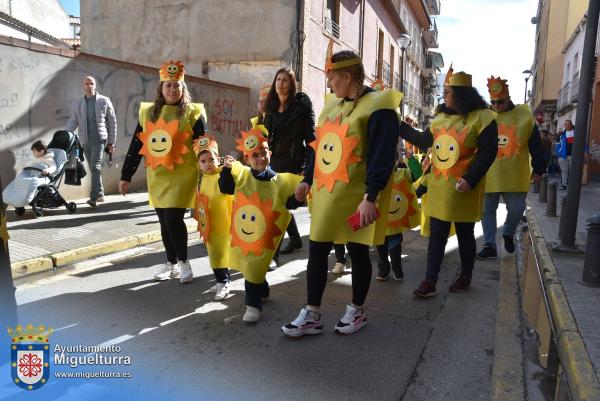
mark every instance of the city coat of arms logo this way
{"type": "Point", "coordinates": [30, 356]}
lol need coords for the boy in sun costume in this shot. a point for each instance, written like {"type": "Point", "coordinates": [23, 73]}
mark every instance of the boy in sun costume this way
{"type": "Point", "coordinates": [259, 216]}
{"type": "Point", "coordinates": [164, 138]}
{"type": "Point", "coordinates": [509, 176]}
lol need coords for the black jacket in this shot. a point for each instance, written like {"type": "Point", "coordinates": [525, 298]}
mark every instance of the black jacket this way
{"type": "Point", "coordinates": [289, 134]}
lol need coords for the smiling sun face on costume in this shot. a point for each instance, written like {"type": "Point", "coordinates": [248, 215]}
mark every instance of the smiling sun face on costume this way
{"type": "Point", "coordinates": [251, 142]}
{"type": "Point", "coordinates": [445, 152]}
{"type": "Point", "coordinates": [202, 216]}
{"type": "Point", "coordinates": [329, 154]}
{"type": "Point", "coordinates": [253, 227]}
{"type": "Point", "coordinates": [401, 205]}
{"type": "Point", "coordinates": [334, 153]}
{"type": "Point", "coordinates": [163, 144]}
{"type": "Point", "coordinates": [450, 155]}
{"type": "Point", "coordinates": [508, 142]}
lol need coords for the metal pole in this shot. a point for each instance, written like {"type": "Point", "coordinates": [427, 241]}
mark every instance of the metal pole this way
{"type": "Point", "coordinates": [551, 205]}
{"type": "Point", "coordinates": [8, 303]}
{"type": "Point", "coordinates": [543, 197]}
{"type": "Point", "coordinates": [562, 222]}
{"type": "Point", "coordinates": [525, 97]}
{"type": "Point", "coordinates": [402, 50]}
{"type": "Point", "coordinates": [567, 241]}
{"type": "Point", "coordinates": [591, 267]}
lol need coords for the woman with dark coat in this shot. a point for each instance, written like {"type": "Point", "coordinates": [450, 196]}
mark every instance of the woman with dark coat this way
{"type": "Point", "coordinates": [291, 123]}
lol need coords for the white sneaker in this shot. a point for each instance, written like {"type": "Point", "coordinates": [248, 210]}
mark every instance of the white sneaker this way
{"type": "Point", "coordinates": [186, 274]}
{"type": "Point", "coordinates": [252, 314]}
{"type": "Point", "coordinates": [167, 271]}
{"type": "Point", "coordinates": [307, 322]}
{"type": "Point", "coordinates": [352, 321]}
{"type": "Point", "coordinates": [338, 268]}
{"type": "Point", "coordinates": [221, 291]}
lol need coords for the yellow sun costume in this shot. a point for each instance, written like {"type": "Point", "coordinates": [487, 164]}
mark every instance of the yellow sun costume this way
{"type": "Point", "coordinates": [259, 216]}
{"type": "Point", "coordinates": [213, 209]}
{"type": "Point", "coordinates": [340, 159]}
{"type": "Point", "coordinates": [511, 169]}
{"type": "Point", "coordinates": [171, 167]}
{"type": "Point", "coordinates": [403, 211]}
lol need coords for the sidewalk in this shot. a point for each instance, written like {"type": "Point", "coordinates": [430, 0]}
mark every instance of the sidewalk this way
{"type": "Point", "coordinates": [59, 238]}
{"type": "Point", "coordinates": [582, 300]}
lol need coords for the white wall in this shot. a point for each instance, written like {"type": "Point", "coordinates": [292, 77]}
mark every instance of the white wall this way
{"type": "Point", "coordinates": [46, 15]}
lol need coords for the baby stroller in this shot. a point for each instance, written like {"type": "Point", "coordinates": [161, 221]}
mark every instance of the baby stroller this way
{"type": "Point", "coordinates": [41, 192]}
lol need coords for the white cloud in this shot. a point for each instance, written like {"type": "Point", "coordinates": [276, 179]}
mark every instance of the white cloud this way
{"type": "Point", "coordinates": [491, 37]}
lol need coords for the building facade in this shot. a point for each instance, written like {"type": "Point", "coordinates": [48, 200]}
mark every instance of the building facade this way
{"type": "Point", "coordinates": [220, 42]}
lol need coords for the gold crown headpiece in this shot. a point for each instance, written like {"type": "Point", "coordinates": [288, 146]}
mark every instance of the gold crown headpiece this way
{"type": "Point", "coordinates": [378, 85]}
{"type": "Point", "coordinates": [30, 333]}
{"type": "Point", "coordinates": [172, 71]}
{"type": "Point", "coordinates": [252, 140]}
{"type": "Point", "coordinates": [459, 79]}
{"type": "Point", "coordinates": [330, 65]}
{"type": "Point", "coordinates": [497, 88]}
{"type": "Point", "coordinates": [264, 91]}
{"type": "Point", "coordinates": [205, 142]}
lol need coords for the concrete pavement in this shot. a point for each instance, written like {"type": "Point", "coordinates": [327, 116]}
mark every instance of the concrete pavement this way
{"type": "Point", "coordinates": [183, 344]}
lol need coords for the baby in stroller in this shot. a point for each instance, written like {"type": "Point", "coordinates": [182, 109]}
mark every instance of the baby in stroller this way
{"type": "Point", "coordinates": [37, 184]}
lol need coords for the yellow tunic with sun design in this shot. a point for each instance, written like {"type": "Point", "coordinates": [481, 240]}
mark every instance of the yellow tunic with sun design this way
{"type": "Point", "coordinates": [341, 169]}
{"type": "Point", "coordinates": [213, 213]}
{"type": "Point", "coordinates": [171, 166]}
{"type": "Point", "coordinates": [258, 221]}
{"type": "Point", "coordinates": [403, 211]}
{"type": "Point", "coordinates": [511, 170]}
{"type": "Point", "coordinates": [454, 147]}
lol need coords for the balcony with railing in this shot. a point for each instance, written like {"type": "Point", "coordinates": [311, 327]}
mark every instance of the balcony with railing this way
{"type": "Point", "coordinates": [433, 7]}
{"type": "Point", "coordinates": [385, 74]}
{"type": "Point", "coordinates": [431, 35]}
{"type": "Point", "coordinates": [562, 99]}
{"type": "Point", "coordinates": [574, 94]}
{"type": "Point", "coordinates": [331, 27]}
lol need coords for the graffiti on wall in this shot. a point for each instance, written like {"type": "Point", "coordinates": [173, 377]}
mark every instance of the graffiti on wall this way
{"type": "Point", "coordinates": [222, 118]}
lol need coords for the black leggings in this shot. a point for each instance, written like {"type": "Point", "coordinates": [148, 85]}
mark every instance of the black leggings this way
{"type": "Point", "coordinates": [437, 247]}
{"type": "Point", "coordinates": [394, 252]}
{"type": "Point", "coordinates": [316, 273]}
{"type": "Point", "coordinates": [174, 233]}
{"type": "Point", "coordinates": [292, 230]}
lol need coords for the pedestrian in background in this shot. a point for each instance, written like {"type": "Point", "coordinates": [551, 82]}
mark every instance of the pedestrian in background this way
{"type": "Point", "coordinates": [564, 149]}
{"type": "Point", "coordinates": [95, 118]}
{"type": "Point", "coordinates": [261, 105]}
{"type": "Point", "coordinates": [163, 137]}
{"type": "Point", "coordinates": [510, 176]}
{"type": "Point", "coordinates": [290, 121]}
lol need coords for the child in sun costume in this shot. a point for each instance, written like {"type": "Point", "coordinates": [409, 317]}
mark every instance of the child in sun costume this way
{"type": "Point", "coordinates": [355, 145]}
{"type": "Point", "coordinates": [509, 176]}
{"type": "Point", "coordinates": [259, 216]}
{"type": "Point", "coordinates": [213, 212]}
{"type": "Point", "coordinates": [464, 141]}
{"type": "Point", "coordinates": [164, 138]}
{"type": "Point", "coordinates": [262, 99]}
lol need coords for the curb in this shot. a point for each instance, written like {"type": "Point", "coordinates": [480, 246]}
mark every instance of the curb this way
{"type": "Point", "coordinates": [49, 262]}
{"type": "Point", "coordinates": [582, 380]}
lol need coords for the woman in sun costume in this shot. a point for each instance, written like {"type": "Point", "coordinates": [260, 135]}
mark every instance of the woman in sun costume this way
{"type": "Point", "coordinates": [163, 137]}
{"type": "Point", "coordinates": [464, 141]}
{"type": "Point", "coordinates": [354, 147]}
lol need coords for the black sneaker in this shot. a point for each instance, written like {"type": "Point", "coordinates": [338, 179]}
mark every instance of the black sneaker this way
{"type": "Point", "coordinates": [487, 253]}
{"type": "Point", "coordinates": [291, 246]}
{"type": "Point", "coordinates": [509, 243]}
{"type": "Point", "coordinates": [398, 273]}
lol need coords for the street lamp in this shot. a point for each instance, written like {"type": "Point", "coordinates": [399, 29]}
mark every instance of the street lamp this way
{"type": "Point", "coordinates": [527, 74]}
{"type": "Point", "coordinates": [404, 42]}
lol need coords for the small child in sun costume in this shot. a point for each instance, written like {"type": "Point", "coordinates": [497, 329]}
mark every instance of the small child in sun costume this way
{"type": "Point", "coordinates": [213, 212]}
{"type": "Point", "coordinates": [259, 216]}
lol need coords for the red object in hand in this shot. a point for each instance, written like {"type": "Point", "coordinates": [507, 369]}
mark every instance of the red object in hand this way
{"type": "Point", "coordinates": [354, 220]}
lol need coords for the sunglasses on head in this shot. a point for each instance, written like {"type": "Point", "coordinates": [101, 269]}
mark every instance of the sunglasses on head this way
{"type": "Point", "coordinates": [497, 102]}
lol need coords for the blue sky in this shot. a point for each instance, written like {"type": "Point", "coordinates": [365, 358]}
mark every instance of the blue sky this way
{"type": "Point", "coordinates": [485, 37]}
{"type": "Point", "coordinates": [71, 7]}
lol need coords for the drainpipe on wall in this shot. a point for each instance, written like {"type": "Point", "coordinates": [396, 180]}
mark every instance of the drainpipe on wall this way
{"type": "Point", "coordinates": [362, 28]}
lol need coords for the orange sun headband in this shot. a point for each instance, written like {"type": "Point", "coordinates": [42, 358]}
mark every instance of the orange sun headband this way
{"type": "Point", "coordinates": [378, 85]}
{"type": "Point", "coordinates": [252, 140]}
{"type": "Point", "coordinates": [205, 142]}
{"type": "Point", "coordinates": [498, 88]}
{"type": "Point", "coordinates": [264, 91]}
{"type": "Point", "coordinates": [172, 71]}
{"type": "Point", "coordinates": [330, 65]}
{"type": "Point", "coordinates": [459, 79]}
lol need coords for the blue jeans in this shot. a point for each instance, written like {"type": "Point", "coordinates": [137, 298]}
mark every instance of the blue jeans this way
{"type": "Point", "coordinates": [515, 206]}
